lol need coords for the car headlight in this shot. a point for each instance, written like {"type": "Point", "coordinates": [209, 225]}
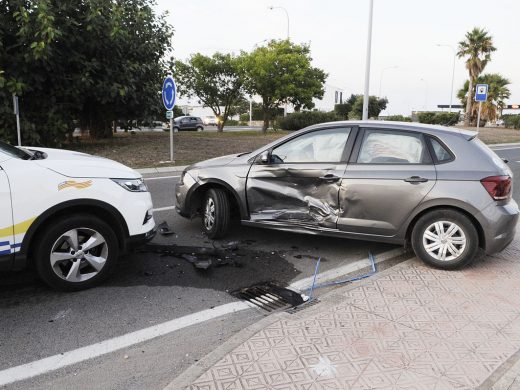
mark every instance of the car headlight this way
{"type": "Point", "coordinates": [132, 185]}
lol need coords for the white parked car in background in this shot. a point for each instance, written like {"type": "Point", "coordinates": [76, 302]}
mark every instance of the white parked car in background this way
{"type": "Point", "coordinates": [68, 214]}
{"type": "Point", "coordinates": [210, 120]}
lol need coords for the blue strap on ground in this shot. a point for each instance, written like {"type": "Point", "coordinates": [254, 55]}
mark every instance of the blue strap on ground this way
{"type": "Point", "coordinates": [338, 282]}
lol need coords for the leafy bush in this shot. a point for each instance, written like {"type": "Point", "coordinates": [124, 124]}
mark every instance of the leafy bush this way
{"type": "Point", "coordinates": [439, 118]}
{"type": "Point", "coordinates": [398, 118]}
{"type": "Point", "coordinates": [232, 122]}
{"type": "Point", "coordinates": [511, 121]}
{"type": "Point", "coordinates": [299, 120]}
{"type": "Point", "coordinates": [342, 109]}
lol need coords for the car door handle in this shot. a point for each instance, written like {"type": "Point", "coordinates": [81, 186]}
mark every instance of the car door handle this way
{"type": "Point", "coordinates": [330, 178]}
{"type": "Point", "coordinates": [416, 179]}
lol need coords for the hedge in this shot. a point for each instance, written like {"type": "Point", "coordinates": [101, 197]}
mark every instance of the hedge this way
{"type": "Point", "coordinates": [439, 118]}
{"type": "Point", "coordinates": [299, 120]}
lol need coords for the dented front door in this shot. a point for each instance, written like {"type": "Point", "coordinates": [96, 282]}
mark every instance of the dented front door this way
{"type": "Point", "coordinates": [300, 183]}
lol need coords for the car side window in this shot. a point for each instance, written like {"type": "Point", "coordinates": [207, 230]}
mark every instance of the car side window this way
{"type": "Point", "coordinates": [441, 153]}
{"type": "Point", "coordinates": [314, 147]}
{"type": "Point", "coordinates": [392, 147]}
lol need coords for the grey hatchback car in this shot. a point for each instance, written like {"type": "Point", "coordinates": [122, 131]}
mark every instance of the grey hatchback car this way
{"type": "Point", "coordinates": [440, 189]}
{"type": "Point", "coordinates": [188, 123]}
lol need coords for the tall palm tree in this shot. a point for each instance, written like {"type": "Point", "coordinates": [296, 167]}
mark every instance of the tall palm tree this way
{"type": "Point", "coordinates": [498, 92]}
{"type": "Point", "coordinates": [477, 47]}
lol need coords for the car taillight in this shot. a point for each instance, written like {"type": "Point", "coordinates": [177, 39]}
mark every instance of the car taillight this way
{"type": "Point", "coordinates": [499, 187]}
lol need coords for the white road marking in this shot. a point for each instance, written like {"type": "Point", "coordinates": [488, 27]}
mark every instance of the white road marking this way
{"type": "Point", "coordinates": [161, 177]}
{"type": "Point", "coordinates": [55, 362]}
{"type": "Point", "coordinates": [163, 209]}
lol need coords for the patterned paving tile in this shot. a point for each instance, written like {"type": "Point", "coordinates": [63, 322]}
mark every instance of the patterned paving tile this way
{"type": "Point", "coordinates": [412, 328]}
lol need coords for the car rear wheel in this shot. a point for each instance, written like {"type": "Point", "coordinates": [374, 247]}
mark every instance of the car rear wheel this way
{"type": "Point", "coordinates": [445, 239]}
{"type": "Point", "coordinates": [76, 253]}
{"type": "Point", "coordinates": [216, 213]}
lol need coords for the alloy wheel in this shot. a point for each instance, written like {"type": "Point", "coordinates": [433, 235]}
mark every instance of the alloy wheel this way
{"type": "Point", "coordinates": [209, 214]}
{"type": "Point", "coordinates": [79, 255]}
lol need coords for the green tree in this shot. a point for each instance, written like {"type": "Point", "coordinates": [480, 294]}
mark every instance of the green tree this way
{"type": "Point", "coordinates": [87, 63]}
{"type": "Point", "coordinates": [216, 81]}
{"type": "Point", "coordinates": [375, 106]}
{"type": "Point", "coordinates": [281, 72]}
{"type": "Point", "coordinates": [476, 48]}
{"type": "Point", "coordinates": [498, 92]}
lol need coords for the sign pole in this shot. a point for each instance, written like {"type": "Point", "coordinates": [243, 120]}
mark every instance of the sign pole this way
{"type": "Point", "coordinates": [481, 95]}
{"type": "Point", "coordinates": [17, 113]}
{"type": "Point", "coordinates": [171, 139]}
{"type": "Point", "coordinates": [169, 93]}
{"type": "Point", "coordinates": [478, 116]}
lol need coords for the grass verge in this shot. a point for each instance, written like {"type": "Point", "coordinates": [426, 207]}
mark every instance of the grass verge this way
{"type": "Point", "coordinates": [152, 149]}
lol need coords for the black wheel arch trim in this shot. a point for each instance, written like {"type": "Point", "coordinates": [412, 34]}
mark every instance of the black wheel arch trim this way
{"type": "Point", "coordinates": [121, 230]}
{"type": "Point", "coordinates": [189, 196]}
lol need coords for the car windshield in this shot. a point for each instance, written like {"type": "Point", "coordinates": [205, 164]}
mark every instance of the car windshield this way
{"type": "Point", "coordinates": [14, 152]}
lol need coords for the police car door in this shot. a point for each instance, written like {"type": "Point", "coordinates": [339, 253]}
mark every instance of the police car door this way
{"type": "Point", "coordinates": [6, 222]}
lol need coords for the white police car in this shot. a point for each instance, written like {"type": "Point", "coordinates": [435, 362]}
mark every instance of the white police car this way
{"type": "Point", "coordinates": [70, 215]}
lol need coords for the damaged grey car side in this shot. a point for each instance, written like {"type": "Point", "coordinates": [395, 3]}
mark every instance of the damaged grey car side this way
{"type": "Point", "coordinates": [440, 189]}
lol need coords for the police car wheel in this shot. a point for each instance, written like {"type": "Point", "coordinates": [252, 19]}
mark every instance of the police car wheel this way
{"type": "Point", "coordinates": [76, 252]}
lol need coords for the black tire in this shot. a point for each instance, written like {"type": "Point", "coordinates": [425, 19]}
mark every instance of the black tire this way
{"type": "Point", "coordinates": [47, 239]}
{"type": "Point", "coordinates": [467, 231]}
{"type": "Point", "coordinates": [221, 213]}
{"type": "Point", "coordinates": [200, 128]}
{"type": "Point", "coordinates": [175, 128]}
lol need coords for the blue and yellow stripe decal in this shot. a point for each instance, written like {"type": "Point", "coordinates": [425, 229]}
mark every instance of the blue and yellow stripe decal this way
{"type": "Point", "coordinates": [6, 235]}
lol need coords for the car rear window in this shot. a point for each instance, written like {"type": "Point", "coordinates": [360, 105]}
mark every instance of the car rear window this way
{"type": "Point", "coordinates": [392, 147]}
{"type": "Point", "coordinates": [441, 153]}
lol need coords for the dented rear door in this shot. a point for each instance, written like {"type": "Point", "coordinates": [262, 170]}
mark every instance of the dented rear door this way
{"type": "Point", "coordinates": [300, 184]}
{"type": "Point", "coordinates": [389, 174]}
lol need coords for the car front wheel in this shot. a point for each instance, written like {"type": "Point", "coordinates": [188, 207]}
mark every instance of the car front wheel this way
{"type": "Point", "coordinates": [215, 213]}
{"type": "Point", "coordinates": [76, 252]}
{"type": "Point", "coordinates": [445, 239]}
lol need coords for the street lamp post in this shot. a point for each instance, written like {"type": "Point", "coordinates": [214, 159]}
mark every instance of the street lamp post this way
{"type": "Point", "coordinates": [452, 72]}
{"type": "Point", "coordinates": [288, 37]}
{"type": "Point", "coordinates": [381, 78]}
{"type": "Point", "coordinates": [286, 14]}
{"type": "Point", "coordinates": [367, 65]}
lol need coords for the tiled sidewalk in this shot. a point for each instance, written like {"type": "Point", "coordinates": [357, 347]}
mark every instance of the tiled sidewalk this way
{"type": "Point", "coordinates": [411, 327]}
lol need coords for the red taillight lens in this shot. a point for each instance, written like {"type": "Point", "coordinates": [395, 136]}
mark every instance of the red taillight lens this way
{"type": "Point", "coordinates": [499, 187]}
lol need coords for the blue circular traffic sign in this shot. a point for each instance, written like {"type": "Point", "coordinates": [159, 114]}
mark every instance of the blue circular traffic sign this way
{"type": "Point", "coordinates": [169, 93]}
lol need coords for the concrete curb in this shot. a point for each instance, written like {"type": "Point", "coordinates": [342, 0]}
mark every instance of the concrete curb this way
{"type": "Point", "coordinates": [177, 168]}
{"type": "Point", "coordinates": [185, 379]}
{"type": "Point", "coordinates": [327, 276]}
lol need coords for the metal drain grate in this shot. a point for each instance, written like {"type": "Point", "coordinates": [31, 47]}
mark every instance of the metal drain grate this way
{"type": "Point", "coordinates": [269, 296]}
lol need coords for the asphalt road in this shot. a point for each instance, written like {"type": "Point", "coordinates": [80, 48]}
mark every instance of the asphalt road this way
{"type": "Point", "coordinates": [150, 288]}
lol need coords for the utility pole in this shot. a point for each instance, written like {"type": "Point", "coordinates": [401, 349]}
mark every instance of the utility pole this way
{"type": "Point", "coordinates": [16, 109]}
{"type": "Point", "coordinates": [367, 66]}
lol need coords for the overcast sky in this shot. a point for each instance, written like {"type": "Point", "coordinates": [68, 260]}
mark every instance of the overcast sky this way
{"type": "Point", "coordinates": [405, 33]}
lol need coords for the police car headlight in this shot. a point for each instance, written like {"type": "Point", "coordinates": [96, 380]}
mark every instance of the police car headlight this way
{"type": "Point", "coordinates": [132, 185]}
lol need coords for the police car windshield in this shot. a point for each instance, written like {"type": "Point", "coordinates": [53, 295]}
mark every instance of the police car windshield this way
{"type": "Point", "coordinates": [14, 152]}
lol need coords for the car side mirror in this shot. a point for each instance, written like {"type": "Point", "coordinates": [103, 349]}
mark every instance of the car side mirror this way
{"type": "Point", "coordinates": [264, 158]}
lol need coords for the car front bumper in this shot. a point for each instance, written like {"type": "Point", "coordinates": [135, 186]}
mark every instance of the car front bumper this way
{"type": "Point", "coordinates": [138, 240]}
